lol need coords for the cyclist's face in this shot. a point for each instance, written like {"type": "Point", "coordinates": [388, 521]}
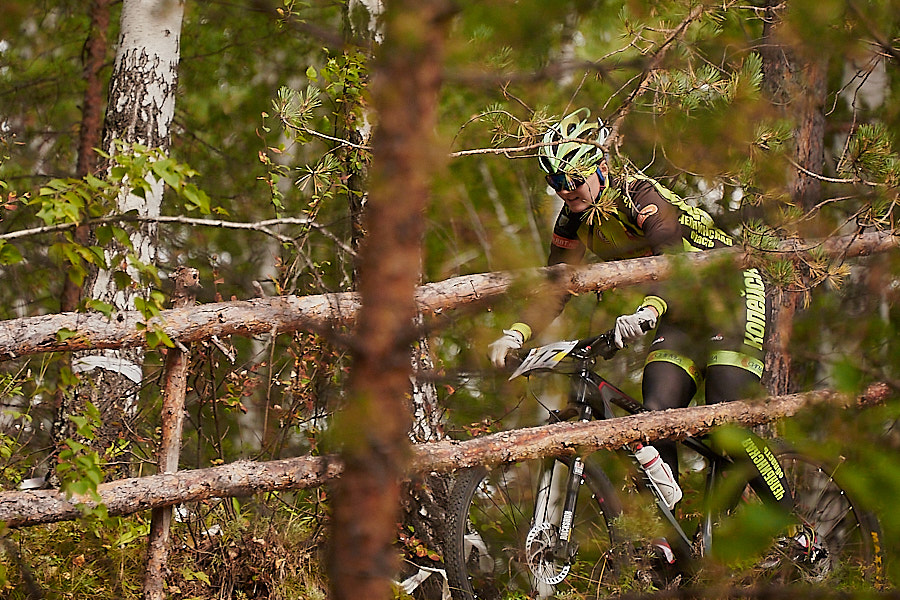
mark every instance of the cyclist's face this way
{"type": "Point", "coordinates": [581, 198]}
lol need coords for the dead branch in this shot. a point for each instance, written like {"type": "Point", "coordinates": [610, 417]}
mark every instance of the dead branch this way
{"type": "Point", "coordinates": [67, 332]}
{"type": "Point", "coordinates": [187, 280]}
{"type": "Point", "coordinates": [260, 226]}
{"type": "Point", "coordinates": [243, 478]}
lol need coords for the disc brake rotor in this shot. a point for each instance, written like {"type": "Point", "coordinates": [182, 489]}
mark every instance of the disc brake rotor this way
{"type": "Point", "coordinates": [539, 547]}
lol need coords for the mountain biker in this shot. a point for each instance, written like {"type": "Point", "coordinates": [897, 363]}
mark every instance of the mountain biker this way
{"type": "Point", "coordinates": [630, 216]}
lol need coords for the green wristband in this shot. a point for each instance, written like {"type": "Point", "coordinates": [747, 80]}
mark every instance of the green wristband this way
{"type": "Point", "coordinates": [656, 303]}
{"type": "Point", "coordinates": [522, 328]}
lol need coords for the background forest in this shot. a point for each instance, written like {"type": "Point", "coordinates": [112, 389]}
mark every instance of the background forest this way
{"type": "Point", "coordinates": [777, 118]}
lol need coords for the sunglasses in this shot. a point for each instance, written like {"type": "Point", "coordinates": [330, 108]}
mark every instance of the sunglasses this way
{"type": "Point", "coordinates": [564, 181]}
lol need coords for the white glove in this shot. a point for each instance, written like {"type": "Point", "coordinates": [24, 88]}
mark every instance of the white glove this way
{"type": "Point", "coordinates": [511, 340]}
{"type": "Point", "coordinates": [628, 327]}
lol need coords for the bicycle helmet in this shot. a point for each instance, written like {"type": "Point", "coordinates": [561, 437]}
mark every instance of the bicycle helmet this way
{"type": "Point", "coordinates": [572, 157]}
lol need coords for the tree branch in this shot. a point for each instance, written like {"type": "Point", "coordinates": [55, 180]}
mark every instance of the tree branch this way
{"type": "Point", "coordinates": [243, 478]}
{"type": "Point", "coordinates": [67, 332]}
{"type": "Point", "coordinates": [654, 63]}
{"type": "Point", "coordinates": [261, 226]}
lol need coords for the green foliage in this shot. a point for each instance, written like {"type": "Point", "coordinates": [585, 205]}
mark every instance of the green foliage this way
{"type": "Point", "coordinates": [510, 67]}
{"type": "Point", "coordinates": [870, 155]}
{"type": "Point", "coordinates": [79, 467]}
{"type": "Point", "coordinates": [297, 109]}
{"type": "Point", "coordinates": [707, 86]}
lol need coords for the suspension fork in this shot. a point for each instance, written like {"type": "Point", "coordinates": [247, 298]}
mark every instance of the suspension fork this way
{"type": "Point", "coordinates": [713, 472]}
{"type": "Point", "coordinates": [564, 549]}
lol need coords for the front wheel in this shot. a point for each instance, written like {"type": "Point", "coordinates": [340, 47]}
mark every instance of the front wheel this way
{"type": "Point", "coordinates": [503, 534]}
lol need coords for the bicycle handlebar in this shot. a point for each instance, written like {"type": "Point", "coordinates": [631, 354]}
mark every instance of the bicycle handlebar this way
{"type": "Point", "coordinates": [602, 345]}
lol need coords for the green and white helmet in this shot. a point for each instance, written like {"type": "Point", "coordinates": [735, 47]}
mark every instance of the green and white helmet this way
{"type": "Point", "coordinates": [572, 157]}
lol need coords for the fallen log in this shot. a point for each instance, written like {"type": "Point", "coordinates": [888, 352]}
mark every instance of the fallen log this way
{"type": "Point", "coordinates": [67, 332]}
{"type": "Point", "coordinates": [244, 478]}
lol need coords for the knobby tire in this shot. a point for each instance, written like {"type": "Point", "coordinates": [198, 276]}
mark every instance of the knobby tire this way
{"type": "Point", "coordinates": [491, 514]}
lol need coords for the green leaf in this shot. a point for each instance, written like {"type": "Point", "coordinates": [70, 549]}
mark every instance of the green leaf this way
{"type": "Point", "coordinates": [101, 307]}
{"type": "Point", "coordinates": [201, 576]}
{"type": "Point", "coordinates": [155, 337]}
{"type": "Point", "coordinates": [848, 378]}
{"type": "Point", "coordinates": [122, 237]}
{"type": "Point", "coordinates": [9, 254]}
{"type": "Point", "coordinates": [123, 280]}
{"type": "Point", "coordinates": [76, 274]}
{"type": "Point", "coordinates": [197, 198]}
{"type": "Point", "coordinates": [165, 169]}
{"type": "Point", "coordinates": [104, 234]}
{"type": "Point", "coordinates": [65, 334]}
{"type": "Point", "coordinates": [131, 534]}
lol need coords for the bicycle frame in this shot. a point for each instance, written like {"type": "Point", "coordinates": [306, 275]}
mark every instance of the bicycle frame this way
{"type": "Point", "coordinates": [593, 397]}
{"type": "Point", "coordinates": [580, 539]}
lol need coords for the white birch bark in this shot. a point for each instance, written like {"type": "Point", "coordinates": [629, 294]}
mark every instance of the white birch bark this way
{"type": "Point", "coordinates": [140, 110]}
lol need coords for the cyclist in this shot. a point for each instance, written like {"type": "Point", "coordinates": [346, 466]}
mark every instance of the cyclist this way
{"type": "Point", "coordinates": [630, 216]}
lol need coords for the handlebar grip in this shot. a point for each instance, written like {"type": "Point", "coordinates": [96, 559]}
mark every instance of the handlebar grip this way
{"type": "Point", "coordinates": [514, 358]}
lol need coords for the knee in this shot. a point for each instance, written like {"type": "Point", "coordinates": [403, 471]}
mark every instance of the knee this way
{"type": "Point", "coordinates": [667, 385]}
{"type": "Point", "coordinates": [725, 383]}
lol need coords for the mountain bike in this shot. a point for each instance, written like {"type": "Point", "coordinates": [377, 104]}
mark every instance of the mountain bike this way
{"type": "Point", "coordinates": [541, 527]}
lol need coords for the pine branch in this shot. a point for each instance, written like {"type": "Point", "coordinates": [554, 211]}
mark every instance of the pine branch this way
{"type": "Point", "coordinates": [656, 59]}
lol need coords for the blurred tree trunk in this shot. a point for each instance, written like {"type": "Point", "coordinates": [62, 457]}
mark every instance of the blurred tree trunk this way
{"type": "Point", "coordinates": [140, 109]}
{"type": "Point", "coordinates": [424, 498]}
{"type": "Point", "coordinates": [796, 85]}
{"type": "Point", "coordinates": [373, 429]}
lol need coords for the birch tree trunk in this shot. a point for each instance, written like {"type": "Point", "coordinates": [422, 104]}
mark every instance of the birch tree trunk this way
{"type": "Point", "coordinates": [140, 109]}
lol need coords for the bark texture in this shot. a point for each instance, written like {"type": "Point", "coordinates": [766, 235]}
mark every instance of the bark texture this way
{"type": "Point", "coordinates": [797, 87]}
{"type": "Point", "coordinates": [69, 332]}
{"type": "Point", "coordinates": [243, 478]}
{"type": "Point", "coordinates": [373, 428]}
{"type": "Point", "coordinates": [91, 122]}
{"type": "Point", "coordinates": [176, 370]}
{"type": "Point", "coordinates": [140, 110]}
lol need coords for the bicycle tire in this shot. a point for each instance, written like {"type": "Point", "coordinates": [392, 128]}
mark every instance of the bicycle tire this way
{"type": "Point", "coordinates": [489, 525]}
{"type": "Point", "coordinates": [832, 540]}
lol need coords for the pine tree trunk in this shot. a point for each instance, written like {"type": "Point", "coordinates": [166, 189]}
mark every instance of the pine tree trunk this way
{"type": "Point", "coordinates": [373, 428]}
{"type": "Point", "coordinates": [797, 86]}
{"type": "Point", "coordinates": [424, 498]}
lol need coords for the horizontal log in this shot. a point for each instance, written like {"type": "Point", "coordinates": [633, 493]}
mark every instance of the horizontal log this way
{"type": "Point", "coordinates": [243, 478]}
{"type": "Point", "coordinates": [67, 332]}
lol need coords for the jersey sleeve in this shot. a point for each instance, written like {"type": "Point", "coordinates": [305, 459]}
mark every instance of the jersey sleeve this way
{"type": "Point", "coordinates": [565, 247]}
{"type": "Point", "coordinates": [549, 299]}
{"type": "Point", "coordinates": [655, 216]}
